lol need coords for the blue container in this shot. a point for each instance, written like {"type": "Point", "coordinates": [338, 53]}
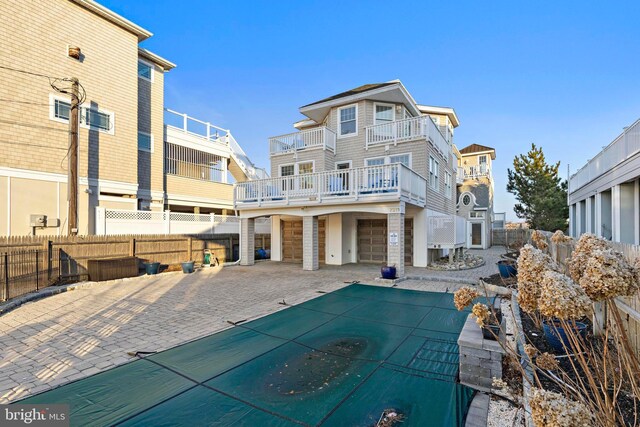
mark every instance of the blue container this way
{"type": "Point", "coordinates": [556, 336]}
{"type": "Point", "coordinates": [507, 269]}
{"type": "Point", "coordinates": [388, 272]}
{"type": "Point", "coordinates": [187, 267]}
{"type": "Point", "coordinates": [151, 267]}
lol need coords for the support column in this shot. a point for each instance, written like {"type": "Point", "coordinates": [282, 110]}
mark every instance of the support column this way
{"type": "Point", "coordinates": [395, 245]}
{"type": "Point", "coordinates": [310, 243]}
{"type": "Point", "coordinates": [578, 218]}
{"type": "Point", "coordinates": [247, 241]}
{"type": "Point", "coordinates": [276, 238]}
{"type": "Point", "coordinates": [589, 220]}
{"type": "Point", "coordinates": [615, 213]}
{"type": "Point", "coordinates": [598, 219]}
{"type": "Point", "coordinates": [420, 252]}
{"type": "Point", "coordinates": [572, 221]}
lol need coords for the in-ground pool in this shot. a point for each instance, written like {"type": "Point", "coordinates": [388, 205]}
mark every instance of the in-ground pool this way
{"type": "Point", "coordinates": [341, 359]}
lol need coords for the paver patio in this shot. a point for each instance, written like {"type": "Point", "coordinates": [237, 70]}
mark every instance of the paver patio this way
{"type": "Point", "coordinates": [75, 334]}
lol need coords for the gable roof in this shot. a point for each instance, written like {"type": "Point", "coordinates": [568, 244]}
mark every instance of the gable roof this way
{"type": "Point", "coordinates": [355, 91]}
{"type": "Point", "coordinates": [477, 148]}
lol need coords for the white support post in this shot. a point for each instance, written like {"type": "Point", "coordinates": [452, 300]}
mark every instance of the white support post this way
{"type": "Point", "coordinates": [167, 222]}
{"type": "Point", "coordinates": [587, 216]}
{"type": "Point", "coordinates": [615, 213]}
{"type": "Point", "coordinates": [101, 221]}
{"type": "Point", "coordinates": [598, 219]}
{"type": "Point", "coordinates": [185, 119]}
{"type": "Point", "coordinates": [636, 211]}
{"type": "Point", "coordinates": [578, 219]}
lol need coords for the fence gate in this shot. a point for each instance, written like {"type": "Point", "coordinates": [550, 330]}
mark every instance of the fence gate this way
{"type": "Point", "coordinates": [28, 271]}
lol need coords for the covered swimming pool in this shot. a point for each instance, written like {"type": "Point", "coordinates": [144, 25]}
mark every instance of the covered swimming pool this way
{"type": "Point", "coordinates": [341, 359]}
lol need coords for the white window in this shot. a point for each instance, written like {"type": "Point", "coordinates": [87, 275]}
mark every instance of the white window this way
{"type": "Point", "coordinates": [405, 159]}
{"type": "Point", "coordinates": [145, 70]}
{"type": "Point", "coordinates": [306, 167]}
{"type": "Point", "coordinates": [434, 173]}
{"type": "Point", "coordinates": [466, 199]}
{"type": "Point", "coordinates": [385, 113]}
{"type": "Point", "coordinates": [145, 142]}
{"type": "Point", "coordinates": [90, 118]}
{"type": "Point", "coordinates": [447, 184]}
{"type": "Point", "coordinates": [348, 121]}
{"type": "Point", "coordinates": [476, 214]}
{"type": "Point", "coordinates": [287, 170]}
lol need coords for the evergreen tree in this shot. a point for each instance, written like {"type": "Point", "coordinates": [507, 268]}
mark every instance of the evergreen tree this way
{"type": "Point", "coordinates": [540, 192]}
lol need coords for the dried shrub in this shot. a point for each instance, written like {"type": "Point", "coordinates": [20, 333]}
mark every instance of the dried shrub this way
{"type": "Point", "coordinates": [532, 263]}
{"type": "Point", "coordinates": [549, 409]}
{"type": "Point", "coordinates": [481, 312]}
{"type": "Point", "coordinates": [463, 297]}
{"type": "Point", "coordinates": [559, 237]}
{"type": "Point", "coordinates": [530, 350]}
{"type": "Point", "coordinates": [562, 298]}
{"type": "Point", "coordinates": [582, 252]}
{"type": "Point", "coordinates": [607, 274]}
{"type": "Point", "coordinates": [547, 361]}
{"type": "Point", "coordinates": [539, 239]}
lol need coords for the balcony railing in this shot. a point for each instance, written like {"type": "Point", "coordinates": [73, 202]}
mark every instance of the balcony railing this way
{"type": "Point", "coordinates": [445, 231]}
{"type": "Point", "coordinates": [394, 181]}
{"type": "Point", "coordinates": [407, 130]}
{"type": "Point", "coordinates": [322, 137]}
{"type": "Point", "coordinates": [460, 175]}
{"type": "Point", "coordinates": [477, 171]}
{"type": "Point", "coordinates": [623, 147]}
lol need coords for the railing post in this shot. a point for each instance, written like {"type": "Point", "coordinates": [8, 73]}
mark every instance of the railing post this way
{"type": "Point", "coordinates": [184, 122]}
{"type": "Point", "coordinates": [394, 129]}
{"type": "Point", "coordinates": [208, 131]}
{"type": "Point", "coordinates": [6, 276]}
{"type": "Point", "coordinates": [37, 271]}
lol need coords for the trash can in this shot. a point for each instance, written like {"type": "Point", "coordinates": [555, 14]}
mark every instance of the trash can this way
{"type": "Point", "coordinates": [206, 258]}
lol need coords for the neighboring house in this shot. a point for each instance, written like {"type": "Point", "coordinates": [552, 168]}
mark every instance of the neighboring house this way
{"type": "Point", "coordinates": [129, 158]}
{"type": "Point", "coordinates": [475, 193]}
{"type": "Point", "coordinates": [368, 177]}
{"type": "Point", "coordinates": [604, 195]}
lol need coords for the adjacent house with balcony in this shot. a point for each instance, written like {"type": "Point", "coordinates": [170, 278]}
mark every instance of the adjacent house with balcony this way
{"type": "Point", "coordinates": [604, 195]}
{"type": "Point", "coordinates": [135, 157]}
{"type": "Point", "coordinates": [368, 177]}
{"type": "Point", "coordinates": [475, 193]}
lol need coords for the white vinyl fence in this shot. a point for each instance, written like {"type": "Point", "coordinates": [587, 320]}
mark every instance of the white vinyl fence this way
{"type": "Point", "coordinates": [118, 222]}
{"type": "Point", "coordinates": [445, 231]}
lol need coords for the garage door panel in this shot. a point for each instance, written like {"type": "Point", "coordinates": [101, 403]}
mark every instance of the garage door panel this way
{"type": "Point", "coordinates": [372, 240]}
{"type": "Point", "coordinates": [292, 241]}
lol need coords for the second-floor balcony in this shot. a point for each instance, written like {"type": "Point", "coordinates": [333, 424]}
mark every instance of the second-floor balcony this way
{"type": "Point", "coordinates": [393, 182]}
{"type": "Point", "coordinates": [413, 128]}
{"type": "Point", "coordinates": [320, 137]}
{"type": "Point", "coordinates": [477, 171]}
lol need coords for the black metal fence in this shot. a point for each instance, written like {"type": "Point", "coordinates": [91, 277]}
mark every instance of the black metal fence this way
{"type": "Point", "coordinates": [28, 271]}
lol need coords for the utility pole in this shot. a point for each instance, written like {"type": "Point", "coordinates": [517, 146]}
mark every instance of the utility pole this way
{"type": "Point", "coordinates": [73, 159]}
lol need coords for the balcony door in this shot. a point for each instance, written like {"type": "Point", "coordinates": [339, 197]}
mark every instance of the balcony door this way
{"type": "Point", "coordinates": [293, 180]}
{"type": "Point", "coordinates": [384, 116]}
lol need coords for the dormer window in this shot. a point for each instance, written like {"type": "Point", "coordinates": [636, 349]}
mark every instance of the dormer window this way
{"type": "Point", "coordinates": [348, 121]}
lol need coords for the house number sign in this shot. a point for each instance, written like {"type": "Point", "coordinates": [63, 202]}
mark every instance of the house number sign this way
{"type": "Point", "coordinates": [393, 239]}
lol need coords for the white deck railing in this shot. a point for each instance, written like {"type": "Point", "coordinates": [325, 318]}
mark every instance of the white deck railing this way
{"type": "Point", "coordinates": [407, 130]}
{"type": "Point", "coordinates": [120, 221]}
{"type": "Point", "coordinates": [477, 171]}
{"type": "Point", "coordinates": [623, 147]}
{"type": "Point", "coordinates": [445, 231]}
{"type": "Point", "coordinates": [460, 175]}
{"type": "Point", "coordinates": [394, 180]}
{"type": "Point", "coordinates": [317, 137]}
{"type": "Point", "coordinates": [212, 133]}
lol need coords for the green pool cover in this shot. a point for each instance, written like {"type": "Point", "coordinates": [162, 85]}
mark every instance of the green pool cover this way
{"type": "Point", "coordinates": [341, 359]}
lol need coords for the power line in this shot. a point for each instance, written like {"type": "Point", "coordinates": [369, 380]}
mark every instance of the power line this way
{"type": "Point", "coordinates": [11, 122]}
{"type": "Point", "coordinates": [27, 72]}
{"type": "Point", "coordinates": [32, 145]}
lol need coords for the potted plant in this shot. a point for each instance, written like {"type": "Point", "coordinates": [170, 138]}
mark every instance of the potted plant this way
{"type": "Point", "coordinates": [491, 328]}
{"type": "Point", "coordinates": [151, 267]}
{"type": "Point", "coordinates": [388, 272]}
{"type": "Point", "coordinates": [187, 267]}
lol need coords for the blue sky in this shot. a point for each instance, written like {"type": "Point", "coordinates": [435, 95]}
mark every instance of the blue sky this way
{"type": "Point", "coordinates": [562, 74]}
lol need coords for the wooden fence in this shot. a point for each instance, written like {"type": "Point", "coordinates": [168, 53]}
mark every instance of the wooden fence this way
{"type": "Point", "coordinates": [629, 307]}
{"type": "Point", "coordinates": [71, 254]}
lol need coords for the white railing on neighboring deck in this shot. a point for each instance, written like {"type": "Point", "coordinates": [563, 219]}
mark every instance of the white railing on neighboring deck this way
{"type": "Point", "coordinates": [215, 134]}
{"type": "Point", "coordinates": [407, 130]}
{"type": "Point", "coordinates": [477, 171]}
{"type": "Point", "coordinates": [346, 184]}
{"type": "Point", "coordinates": [123, 222]}
{"type": "Point", "coordinates": [445, 231]}
{"type": "Point", "coordinates": [623, 147]}
{"type": "Point", "coordinates": [317, 137]}
{"type": "Point", "coordinates": [460, 175]}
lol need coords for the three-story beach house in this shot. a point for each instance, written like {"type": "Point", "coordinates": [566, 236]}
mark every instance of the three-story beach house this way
{"type": "Point", "coordinates": [369, 176]}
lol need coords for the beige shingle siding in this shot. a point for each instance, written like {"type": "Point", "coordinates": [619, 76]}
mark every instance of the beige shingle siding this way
{"type": "Point", "coordinates": [177, 185]}
{"type": "Point", "coordinates": [37, 41]}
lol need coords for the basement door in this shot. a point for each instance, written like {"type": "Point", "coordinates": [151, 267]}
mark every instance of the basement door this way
{"type": "Point", "coordinates": [372, 241]}
{"type": "Point", "coordinates": [292, 241]}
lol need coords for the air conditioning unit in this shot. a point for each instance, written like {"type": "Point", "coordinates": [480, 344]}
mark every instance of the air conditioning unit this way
{"type": "Point", "coordinates": [37, 220]}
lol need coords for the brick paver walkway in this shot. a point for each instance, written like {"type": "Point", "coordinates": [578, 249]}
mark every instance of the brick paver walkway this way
{"type": "Point", "coordinates": [68, 336]}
